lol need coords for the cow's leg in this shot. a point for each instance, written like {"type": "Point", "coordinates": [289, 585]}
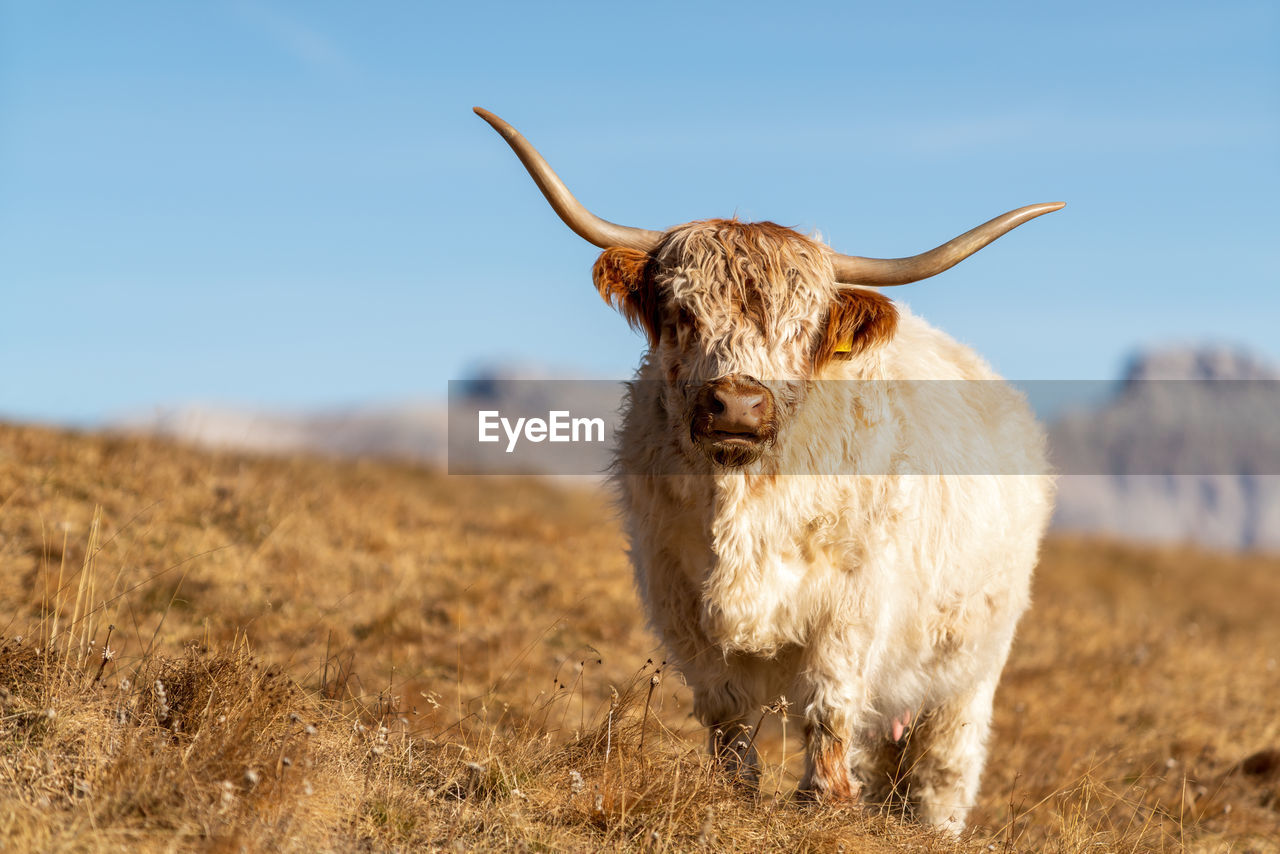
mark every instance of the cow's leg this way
{"type": "Point", "coordinates": [945, 755]}
{"type": "Point", "coordinates": [729, 706]}
{"type": "Point", "coordinates": [828, 745]}
{"type": "Point", "coordinates": [834, 698]}
{"type": "Point", "coordinates": [732, 743]}
{"type": "Point", "coordinates": [881, 770]}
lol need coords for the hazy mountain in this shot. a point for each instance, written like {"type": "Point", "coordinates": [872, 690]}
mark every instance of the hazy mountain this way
{"type": "Point", "coordinates": [417, 431]}
{"type": "Point", "coordinates": [1186, 449]}
{"type": "Point", "coordinates": [413, 432]}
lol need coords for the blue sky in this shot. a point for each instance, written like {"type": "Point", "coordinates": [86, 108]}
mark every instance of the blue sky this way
{"type": "Point", "coordinates": [291, 205]}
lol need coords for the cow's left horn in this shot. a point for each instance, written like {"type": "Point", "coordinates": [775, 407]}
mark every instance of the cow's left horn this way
{"type": "Point", "coordinates": [853, 270]}
{"type": "Point", "coordinates": [589, 227]}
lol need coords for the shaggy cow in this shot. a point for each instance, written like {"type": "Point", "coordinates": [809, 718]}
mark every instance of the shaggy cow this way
{"type": "Point", "coordinates": [805, 519]}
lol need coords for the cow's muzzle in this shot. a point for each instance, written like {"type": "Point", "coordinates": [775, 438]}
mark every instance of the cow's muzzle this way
{"type": "Point", "coordinates": [733, 420]}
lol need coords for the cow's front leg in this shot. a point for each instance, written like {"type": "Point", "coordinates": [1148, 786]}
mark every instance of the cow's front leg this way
{"type": "Point", "coordinates": [732, 743]}
{"type": "Point", "coordinates": [834, 697]}
{"type": "Point", "coordinates": [729, 706]}
{"type": "Point", "coordinates": [828, 745]}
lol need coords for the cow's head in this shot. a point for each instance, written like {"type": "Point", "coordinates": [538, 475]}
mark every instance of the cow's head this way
{"type": "Point", "coordinates": [740, 316]}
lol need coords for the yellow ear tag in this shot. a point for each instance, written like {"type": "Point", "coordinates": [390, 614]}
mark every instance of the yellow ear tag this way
{"type": "Point", "coordinates": [845, 345]}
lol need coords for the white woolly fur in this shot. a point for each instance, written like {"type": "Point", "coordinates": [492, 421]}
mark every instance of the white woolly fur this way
{"type": "Point", "coordinates": [862, 596]}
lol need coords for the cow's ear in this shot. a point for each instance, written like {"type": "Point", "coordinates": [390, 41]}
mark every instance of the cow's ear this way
{"type": "Point", "coordinates": [624, 277]}
{"type": "Point", "coordinates": [858, 321]}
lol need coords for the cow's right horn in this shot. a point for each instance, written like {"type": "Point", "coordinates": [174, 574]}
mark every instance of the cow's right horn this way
{"type": "Point", "coordinates": [588, 226]}
{"type": "Point", "coordinates": [855, 270]}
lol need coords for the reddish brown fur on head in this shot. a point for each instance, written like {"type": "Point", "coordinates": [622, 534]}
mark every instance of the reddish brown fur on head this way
{"type": "Point", "coordinates": [860, 319]}
{"type": "Point", "coordinates": [623, 278]}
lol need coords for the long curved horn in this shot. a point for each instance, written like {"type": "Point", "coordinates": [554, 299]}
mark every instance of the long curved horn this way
{"type": "Point", "coordinates": [853, 270]}
{"type": "Point", "coordinates": [589, 227]}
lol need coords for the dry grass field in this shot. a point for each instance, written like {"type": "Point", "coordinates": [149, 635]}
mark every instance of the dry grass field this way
{"type": "Point", "coordinates": [312, 655]}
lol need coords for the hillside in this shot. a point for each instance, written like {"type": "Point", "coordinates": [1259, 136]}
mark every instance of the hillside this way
{"type": "Point", "coordinates": [317, 655]}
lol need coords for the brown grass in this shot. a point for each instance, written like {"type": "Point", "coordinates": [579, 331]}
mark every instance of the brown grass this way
{"type": "Point", "coordinates": [315, 655]}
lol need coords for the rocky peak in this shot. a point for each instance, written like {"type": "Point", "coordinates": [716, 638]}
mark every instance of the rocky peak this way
{"type": "Point", "coordinates": [1203, 363]}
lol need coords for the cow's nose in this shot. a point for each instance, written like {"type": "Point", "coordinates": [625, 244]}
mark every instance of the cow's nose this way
{"type": "Point", "coordinates": [737, 405]}
{"type": "Point", "coordinates": [732, 412]}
